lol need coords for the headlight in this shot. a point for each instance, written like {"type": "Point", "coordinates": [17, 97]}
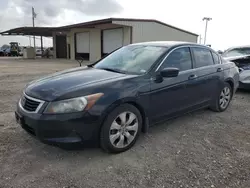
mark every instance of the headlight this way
{"type": "Point", "coordinates": [73, 105]}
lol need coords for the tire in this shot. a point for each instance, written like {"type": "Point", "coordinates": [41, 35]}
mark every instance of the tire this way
{"type": "Point", "coordinates": [217, 105]}
{"type": "Point", "coordinates": [118, 136]}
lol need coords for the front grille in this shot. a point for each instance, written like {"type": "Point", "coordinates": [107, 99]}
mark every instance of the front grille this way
{"type": "Point", "coordinates": [29, 104]}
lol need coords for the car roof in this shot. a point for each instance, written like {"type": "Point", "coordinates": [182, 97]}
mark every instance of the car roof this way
{"type": "Point", "coordinates": [168, 43]}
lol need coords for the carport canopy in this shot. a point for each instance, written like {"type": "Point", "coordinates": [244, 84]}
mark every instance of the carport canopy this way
{"type": "Point", "coordinates": [47, 31]}
{"type": "Point", "coordinates": [37, 31]}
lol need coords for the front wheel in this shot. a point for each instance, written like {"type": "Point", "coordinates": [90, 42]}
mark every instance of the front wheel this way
{"type": "Point", "coordinates": [121, 129]}
{"type": "Point", "coordinates": [223, 99]}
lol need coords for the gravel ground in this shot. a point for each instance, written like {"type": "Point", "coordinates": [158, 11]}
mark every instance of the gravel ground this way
{"type": "Point", "coordinates": [202, 149]}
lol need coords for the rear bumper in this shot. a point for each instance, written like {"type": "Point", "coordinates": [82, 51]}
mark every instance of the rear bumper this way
{"type": "Point", "coordinates": [60, 129]}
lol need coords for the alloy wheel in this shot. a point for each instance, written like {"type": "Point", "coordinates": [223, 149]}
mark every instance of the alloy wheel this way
{"type": "Point", "coordinates": [225, 97]}
{"type": "Point", "coordinates": [123, 129]}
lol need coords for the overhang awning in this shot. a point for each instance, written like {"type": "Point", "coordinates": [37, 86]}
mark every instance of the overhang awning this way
{"type": "Point", "coordinates": [37, 31]}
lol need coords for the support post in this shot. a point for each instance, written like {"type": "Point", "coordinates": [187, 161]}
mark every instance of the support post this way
{"type": "Point", "coordinates": [42, 43]}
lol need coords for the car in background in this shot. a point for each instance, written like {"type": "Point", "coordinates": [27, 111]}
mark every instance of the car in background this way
{"type": "Point", "coordinates": [236, 51]}
{"type": "Point", "coordinates": [48, 52]}
{"type": "Point", "coordinates": [5, 50]}
{"type": "Point", "coordinates": [39, 52]}
{"type": "Point", "coordinates": [241, 57]}
{"type": "Point", "coordinates": [1, 52]}
{"type": "Point", "coordinates": [113, 100]}
{"type": "Point", "coordinates": [243, 63]}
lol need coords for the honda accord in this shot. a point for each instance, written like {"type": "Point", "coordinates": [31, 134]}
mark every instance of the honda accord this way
{"type": "Point", "coordinates": [113, 100]}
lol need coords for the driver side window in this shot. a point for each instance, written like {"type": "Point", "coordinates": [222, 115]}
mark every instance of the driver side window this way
{"type": "Point", "coordinates": [179, 58]}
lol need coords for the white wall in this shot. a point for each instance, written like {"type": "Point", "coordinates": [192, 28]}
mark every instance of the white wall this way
{"type": "Point", "coordinates": [152, 31]}
{"type": "Point", "coordinates": [126, 35]}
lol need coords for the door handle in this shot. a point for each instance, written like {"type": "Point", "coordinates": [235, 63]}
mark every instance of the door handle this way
{"type": "Point", "coordinates": [193, 76]}
{"type": "Point", "coordinates": [219, 69]}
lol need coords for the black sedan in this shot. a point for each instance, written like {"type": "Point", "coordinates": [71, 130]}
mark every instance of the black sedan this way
{"type": "Point", "coordinates": [111, 101]}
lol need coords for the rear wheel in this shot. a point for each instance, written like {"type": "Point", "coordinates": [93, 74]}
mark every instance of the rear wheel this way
{"type": "Point", "coordinates": [121, 129]}
{"type": "Point", "coordinates": [223, 99]}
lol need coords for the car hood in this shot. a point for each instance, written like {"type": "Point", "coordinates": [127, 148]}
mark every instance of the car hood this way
{"type": "Point", "coordinates": [232, 58]}
{"type": "Point", "coordinates": [53, 86]}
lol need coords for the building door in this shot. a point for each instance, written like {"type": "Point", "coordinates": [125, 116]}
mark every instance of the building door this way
{"type": "Point", "coordinates": [112, 39]}
{"type": "Point", "coordinates": [82, 44]}
{"type": "Point", "coordinates": [61, 46]}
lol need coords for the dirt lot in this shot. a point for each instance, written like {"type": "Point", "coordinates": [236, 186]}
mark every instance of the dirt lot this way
{"type": "Point", "coordinates": [202, 149]}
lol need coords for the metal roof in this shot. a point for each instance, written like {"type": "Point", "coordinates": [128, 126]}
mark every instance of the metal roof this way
{"type": "Point", "coordinates": [38, 31]}
{"type": "Point", "coordinates": [47, 31]}
{"type": "Point", "coordinates": [111, 20]}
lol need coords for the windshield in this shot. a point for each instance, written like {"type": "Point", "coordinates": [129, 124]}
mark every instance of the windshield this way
{"type": "Point", "coordinates": [236, 52]}
{"type": "Point", "coordinates": [134, 59]}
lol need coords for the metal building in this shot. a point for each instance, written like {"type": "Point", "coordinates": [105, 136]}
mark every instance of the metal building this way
{"type": "Point", "coordinates": [92, 40]}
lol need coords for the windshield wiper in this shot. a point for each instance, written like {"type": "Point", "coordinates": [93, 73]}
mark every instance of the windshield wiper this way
{"type": "Point", "coordinates": [114, 70]}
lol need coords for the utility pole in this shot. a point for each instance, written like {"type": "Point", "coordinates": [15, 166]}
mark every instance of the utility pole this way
{"type": "Point", "coordinates": [207, 19]}
{"type": "Point", "coordinates": [33, 22]}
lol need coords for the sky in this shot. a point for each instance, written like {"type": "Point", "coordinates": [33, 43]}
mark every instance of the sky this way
{"type": "Point", "coordinates": [228, 27]}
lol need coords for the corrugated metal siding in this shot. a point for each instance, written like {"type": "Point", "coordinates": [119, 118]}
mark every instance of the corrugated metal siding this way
{"type": "Point", "coordinates": [151, 31]}
{"type": "Point", "coordinates": [126, 35]}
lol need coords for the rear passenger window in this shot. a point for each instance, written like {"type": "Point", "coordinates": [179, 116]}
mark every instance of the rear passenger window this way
{"type": "Point", "coordinates": [216, 58]}
{"type": "Point", "coordinates": [179, 58]}
{"type": "Point", "coordinates": [203, 57]}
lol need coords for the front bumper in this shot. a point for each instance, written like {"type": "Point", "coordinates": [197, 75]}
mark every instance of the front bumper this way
{"type": "Point", "coordinates": [244, 80]}
{"type": "Point", "coordinates": [60, 129]}
{"type": "Point", "coordinates": [243, 85]}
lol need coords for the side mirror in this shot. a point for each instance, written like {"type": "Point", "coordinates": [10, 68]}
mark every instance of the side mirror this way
{"type": "Point", "coordinates": [169, 72]}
